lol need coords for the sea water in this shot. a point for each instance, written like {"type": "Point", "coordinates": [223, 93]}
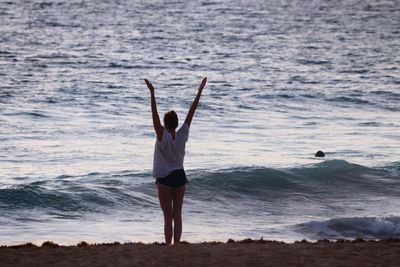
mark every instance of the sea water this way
{"type": "Point", "coordinates": [285, 79]}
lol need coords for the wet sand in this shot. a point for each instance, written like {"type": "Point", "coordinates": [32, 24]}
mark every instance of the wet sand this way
{"type": "Point", "coordinates": [239, 253]}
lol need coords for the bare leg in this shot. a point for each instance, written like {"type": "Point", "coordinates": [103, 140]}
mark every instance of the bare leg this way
{"type": "Point", "coordinates": [177, 195]}
{"type": "Point", "coordinates": [165, 198]}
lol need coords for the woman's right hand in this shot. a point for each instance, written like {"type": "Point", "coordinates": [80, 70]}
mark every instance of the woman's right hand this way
{"type": "Point", "coordinates": [149, 85]}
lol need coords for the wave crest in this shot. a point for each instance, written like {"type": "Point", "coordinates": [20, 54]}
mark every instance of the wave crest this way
{"type": "Point", "coordinates": [365, 227]}
{"type": "Point", "coordinates": [317, 183]}
{"type": "Point", "coordinates": [328, 176]}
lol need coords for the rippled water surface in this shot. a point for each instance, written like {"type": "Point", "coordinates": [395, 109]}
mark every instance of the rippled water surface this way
{"type": "Point", "coordinates": [285, 79]}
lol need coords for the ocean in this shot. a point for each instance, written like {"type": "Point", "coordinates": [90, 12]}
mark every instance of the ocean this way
{"type": "Point", "coordinates": [285, 79]}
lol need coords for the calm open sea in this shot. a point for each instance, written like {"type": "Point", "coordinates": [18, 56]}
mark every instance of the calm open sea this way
{"type": "Point", "coordinates": [286, 78]}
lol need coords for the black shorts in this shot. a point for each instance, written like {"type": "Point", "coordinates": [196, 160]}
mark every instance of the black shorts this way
{"type": "Point", "coordinates": [175, 179]}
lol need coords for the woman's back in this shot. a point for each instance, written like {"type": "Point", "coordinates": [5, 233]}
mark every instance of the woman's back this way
{"type": "Point", "coordinates": [169, 153]}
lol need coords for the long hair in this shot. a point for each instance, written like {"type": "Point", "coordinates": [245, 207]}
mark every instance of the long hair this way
{"type": "Point", "coordinates": [171, 120]}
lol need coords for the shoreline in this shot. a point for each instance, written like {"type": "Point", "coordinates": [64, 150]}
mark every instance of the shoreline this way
{"type": "Point", "coordinates": [246, 252]}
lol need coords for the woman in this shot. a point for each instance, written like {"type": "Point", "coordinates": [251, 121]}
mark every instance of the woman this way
{"type": "Point", "coordinates": [168, 169]}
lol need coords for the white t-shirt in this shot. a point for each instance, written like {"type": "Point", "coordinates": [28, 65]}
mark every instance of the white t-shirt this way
{"type": "Point", "coordinates": [169, 153]}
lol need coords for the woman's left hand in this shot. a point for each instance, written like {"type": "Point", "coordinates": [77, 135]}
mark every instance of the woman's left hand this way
{"type": "Point", "coordinates": [203, 83]}
{"type": "Point", "coordinates": [149, 85]}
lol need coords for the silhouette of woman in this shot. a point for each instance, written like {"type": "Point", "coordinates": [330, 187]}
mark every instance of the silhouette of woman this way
{"type": "Point", "coordinates": [168, 169]}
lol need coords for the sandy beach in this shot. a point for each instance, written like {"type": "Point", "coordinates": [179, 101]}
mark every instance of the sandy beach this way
{"type": "Point", "coordinates": [231, 253]}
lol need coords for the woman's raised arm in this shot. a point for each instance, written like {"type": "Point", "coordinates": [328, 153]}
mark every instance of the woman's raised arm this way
{"type": "Point", "coordinates": [192, 109]}
{"type": "Point", "coordinates": [156, 119]}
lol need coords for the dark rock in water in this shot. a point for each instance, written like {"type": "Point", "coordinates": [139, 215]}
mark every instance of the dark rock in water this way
{"type": "Point", "coordinates": [320, 154]}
